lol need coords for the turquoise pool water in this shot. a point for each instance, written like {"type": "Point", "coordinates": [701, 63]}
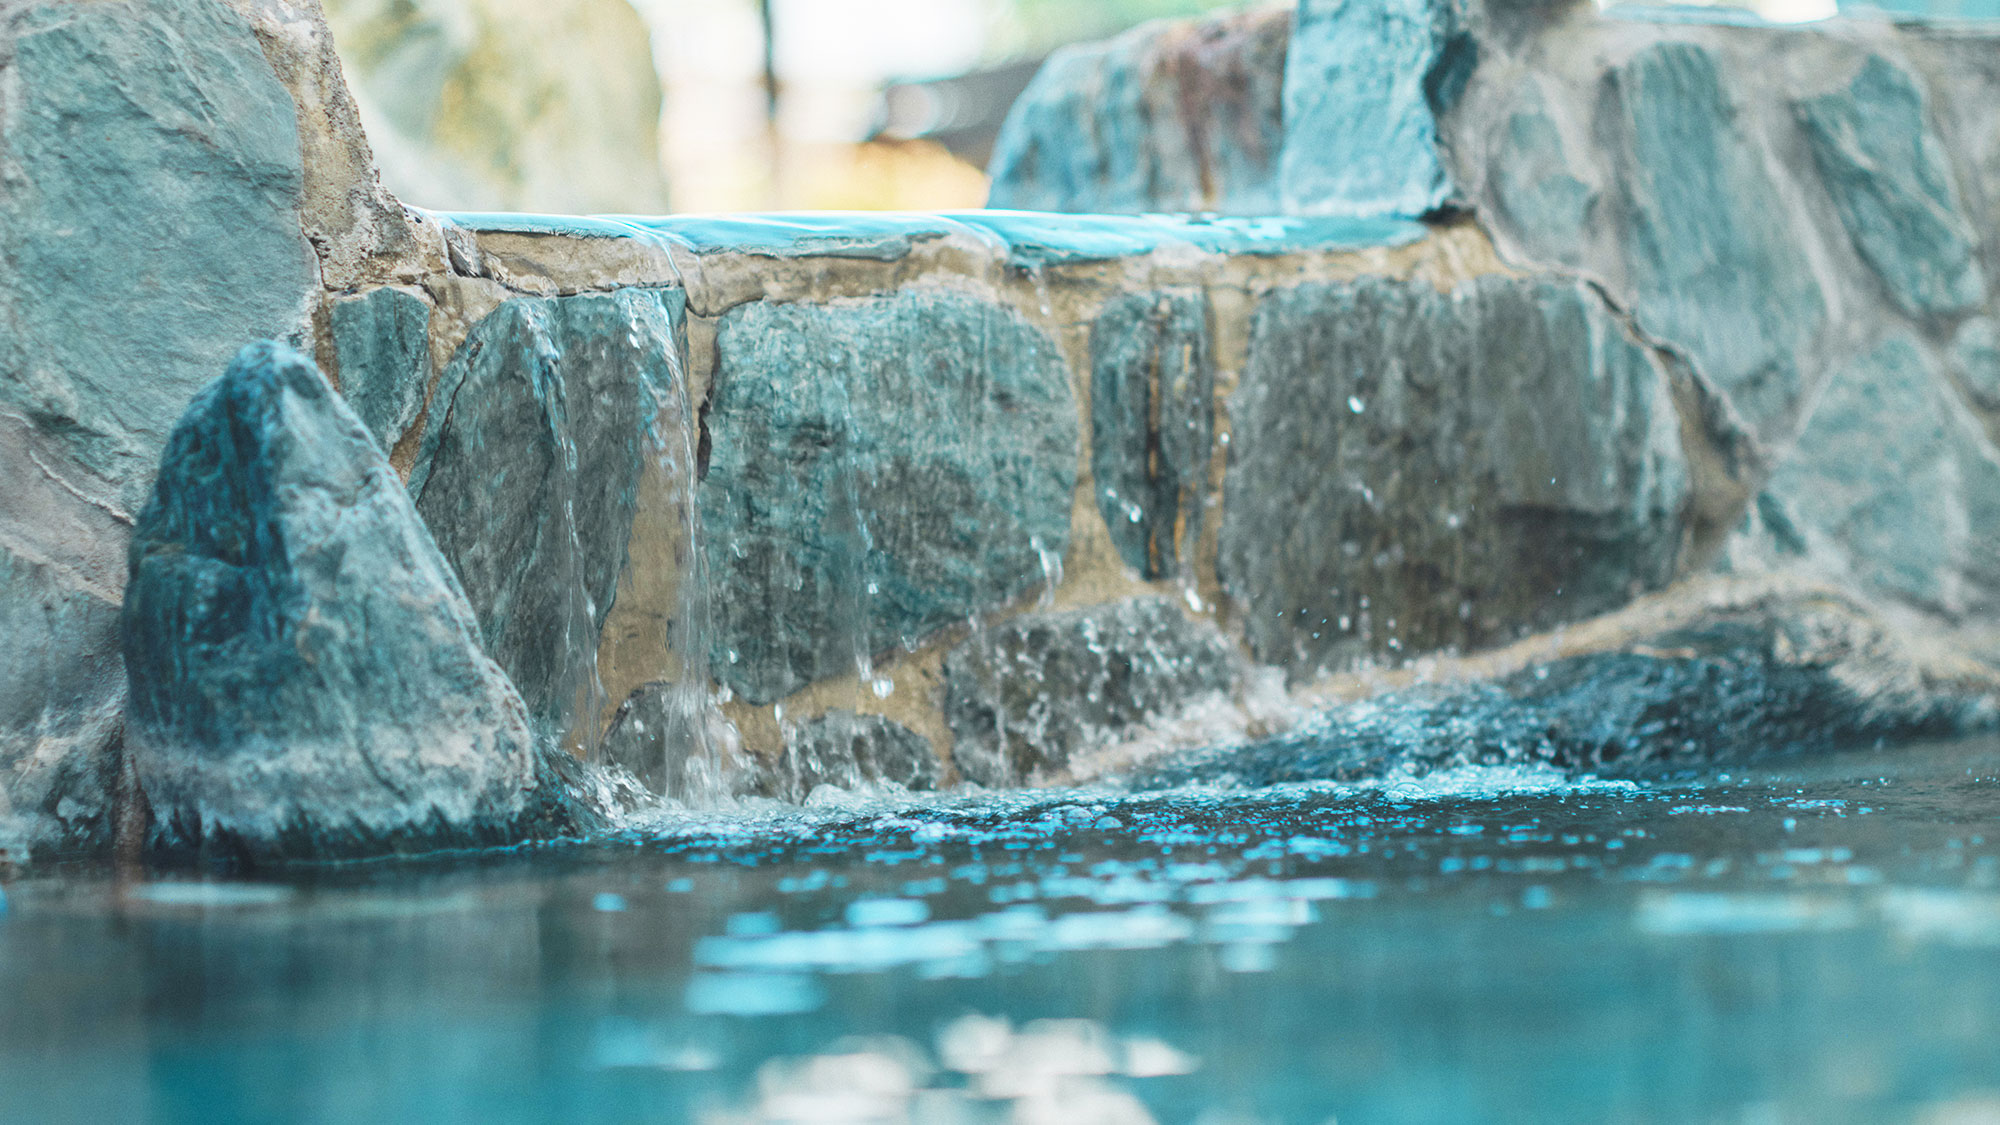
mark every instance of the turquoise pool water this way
{"type": "Point", "coordinates": [1816, 942]}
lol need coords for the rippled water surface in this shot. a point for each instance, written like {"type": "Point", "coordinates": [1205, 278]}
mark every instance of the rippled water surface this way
{"type": "Point", "coordinates": [1815, 943]}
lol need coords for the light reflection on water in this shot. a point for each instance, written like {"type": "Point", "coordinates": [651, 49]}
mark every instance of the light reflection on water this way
{"type": "Point", "coordinates": [1491, 944]}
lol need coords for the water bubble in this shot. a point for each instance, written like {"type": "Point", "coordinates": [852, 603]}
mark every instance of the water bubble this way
{"type": "Point", "coordinates": [1356, 406]}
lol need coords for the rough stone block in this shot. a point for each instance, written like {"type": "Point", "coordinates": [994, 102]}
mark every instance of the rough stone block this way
{"type": "Point", "coordinates": [150, 222]}
{"type": "Point", "coordinates": [1152, 425]}
{"type": "Point", "coordinates": [1364, 82]}
{"type": "Point", "coordinates": [1172, 116]}
{"type": "Point", "coordinates": [1891, 183]}
{"type": "Point", "coordinates": [1024, 697]}
{"type": "Point", "coordinates": [877, 469]}
{"type": "Point", "coordinates": [1892, 485]}
{"type": "Point", "coordinates": [853, 751]}
{"type": "Point", "coordinates": [529, 471]}
{"type": "Point", "coordinates": [305, 675]}
{"type": "Point", "coordinates": [1716, 252]}
{"type": "Point", "coordinates": [1412, 471]}
{"type": "Point", "coordinates": [381, 342]}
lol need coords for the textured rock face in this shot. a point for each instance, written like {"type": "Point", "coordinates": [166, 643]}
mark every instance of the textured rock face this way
{"type": "Point", "coordinates": [1796, 675]}
{"type": "Point", "coordinates": [1769, 205]}
{"type": "Point", "coordinates": [851, 751]}
{"type": "Point", "coordinates": [877, 469]}
{"type": "Point", "coordinates": [149, 224]}
{"type": "Point", "coordinates": [1893, 486]}
{"type": "Point", "coordinates": [1173, 116]}
{"type": "Point", "coordinates": [1716, 263]}
{"type": "Point", "coordinates": [1026, 697]}
{"type": "Point", "coordinates": [1413, 471]}
{"type": "Point", "coordinates": [381, 341]}
{"type": "Point", "coordinates": [1363, 82]}
{"type": "Point", "coordinates": [62, 695]}
{"type": "Point", "coordinates": [1152, 425]}
{"type": "Point", "coordinates": [507, 104]}
{"type": "Point", "coordinates": [1890, 181]}
{"type": "Point", "coordinates": [667, 736]}
{"type": "Point", "coordinates": [529, 473]}
{"type": "Point", "coordinates": [162, 244]}
{"type": "Point", "coordinates": [1657, 176]}
{"type": "Point", "coordinates": [305, 674]}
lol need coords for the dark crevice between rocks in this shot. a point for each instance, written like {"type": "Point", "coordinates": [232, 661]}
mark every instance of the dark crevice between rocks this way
{"type": "Point", "coordinates": [1726, 464]}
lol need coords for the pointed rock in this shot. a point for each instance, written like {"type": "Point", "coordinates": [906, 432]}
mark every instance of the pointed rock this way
{"type": "Point", "coordinates": [305, 676]}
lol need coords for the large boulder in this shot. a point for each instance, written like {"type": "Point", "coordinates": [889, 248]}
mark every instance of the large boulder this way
{"type": "Point", "coordinates": [305, 674]}
{"type": "Point", "coordinates": [150, 208]}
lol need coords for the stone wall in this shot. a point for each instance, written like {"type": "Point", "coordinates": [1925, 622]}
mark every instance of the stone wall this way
{"type": "Point", "coordinates": [1620, 305]}
{"type": "Point", "coordinates": [1792, 218]}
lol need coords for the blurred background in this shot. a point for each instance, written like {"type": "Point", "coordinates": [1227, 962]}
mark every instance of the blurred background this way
{"type": "Point", "coordinates": [645, 106]}
{"type": "Point", "coordinates": [649, 106]}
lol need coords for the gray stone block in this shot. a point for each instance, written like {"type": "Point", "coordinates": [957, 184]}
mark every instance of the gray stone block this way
{"type": "Point", "coordinates": [852, 751]}
{"type": "Point", "coordinates": [1895, 486]}
{"type": "Point", "coordinates": [1412, 471]}
{"type": "Point", "coordinates": [1715, 251]}
{"type": "Point", "coordinates": [1890, 182]}
{"type": "Point", "coordinates": [1364, 82]}
{"type": "Point", "coordinates": [529, 471]}
{"type": "Point", "coordinates": [1026, 696]}
{"type": "Point", "coordinates": [1152, 425]}
{"type": "Point", "coordinates": [305, 675]}
{"type": "Point", "coordinates": [877, 469]}
{"type": "Point", "coordinates": [151, 219]}
{"type": "Point", "coordinates": [381, 342]}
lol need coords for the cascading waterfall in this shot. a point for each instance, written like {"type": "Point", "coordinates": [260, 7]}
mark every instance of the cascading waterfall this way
{"type": "Point", "coordinates": [698, 742]}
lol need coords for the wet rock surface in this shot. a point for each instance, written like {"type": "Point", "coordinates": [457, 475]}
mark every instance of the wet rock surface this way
{"type": "Point", "coordinates": [381, 342]}
{"type": "Point", "coordinates": [62, 695]}
{"type": "Point", "coordinates": [1808, 676]}
{"type": "Point", "coordinates": [305, 674]}
{"type": "Point", "coordinates": [1412, 471]}
{"type": "Point", "coordinates": [529, 472]}
{"type": "Point", "coordinates": [851, 751]}
{"type": "Point", "coordinates": [1026, 697]}
{"type": "Point", "coordinates": [1152, 425]}
{"type": "Point", "coordinates": [1172, 116]}
{"type": "Point", "coordinates": [877, 469]}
